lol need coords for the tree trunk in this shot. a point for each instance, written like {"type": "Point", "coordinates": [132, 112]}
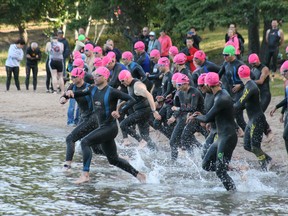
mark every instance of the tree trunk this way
{"type": "Point", "coordinates": [267, 25]}
{"type": "Point", "coordinates": [23, 32]}
{"type": "Point", "coordinates": [253, 33]}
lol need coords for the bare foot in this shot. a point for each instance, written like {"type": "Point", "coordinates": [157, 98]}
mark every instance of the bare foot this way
{"type": "Point", "coordinates": [141, 177]}
{"type": "Point", "coordinates": [67, 167]}
{"type": "Point", "coordinates": [126, 142]}
{"type": "Point", "coordinates": [240, 132]}
{"type": "Point", "coordinates": [83, 178]}
{"type": "Point", "coordinates": [269, 137]}
{"type": "Point", "coordinates": [142, 144]}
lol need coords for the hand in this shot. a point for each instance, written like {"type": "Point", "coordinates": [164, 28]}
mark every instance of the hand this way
{"type": "Point", "coordinates": [69, 94]}
{"type": "Point", "coordinates": [115, 114]}
{"type": "Point", "coordinates": [272, 111]}
{"type": "Point", "coordinates": [174, 108]}
{"type": "Point", "coordinates": [157, 116]}
{"type": "Point", "coordinates": [171, 120]}
{"type": "Point", "coordinates": [159, 98]}
{"type": "Point", "coordinates": [189, 119]}
{"type": "Point", "coordinates": [236, 88]}
{"type": "Point", "coordinates": [147, 74]}
{"type": "Point", "coordinates": [62, 100]}
{"type": "Point", "coordinates": [207, 126]}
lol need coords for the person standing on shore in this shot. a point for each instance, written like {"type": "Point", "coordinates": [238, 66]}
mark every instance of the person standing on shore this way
{"type": "Point", "coordinates": [33, 55]}
{"type": "Point", "coordinates": [15, 56]}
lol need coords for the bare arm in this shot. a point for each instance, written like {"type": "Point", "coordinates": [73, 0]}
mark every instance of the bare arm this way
{"type": "Point", "coordinates": [281, 37]}
{"type": "Point", "coordinates": [267, 33]}
{"type": "Point", "coordinates": [264, 74]}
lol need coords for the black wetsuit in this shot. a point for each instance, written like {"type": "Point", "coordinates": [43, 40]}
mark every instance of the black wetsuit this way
{"type": "Point", "coordinates": [190, 101]}
{"type": "Point", "coordinates": [155, 77]}
{"type": "Point", "coordinates": [88, 121]}
{"type": "Point", "coordinates": [284, 105]}
{"type": "Point", "coordinates": [257, 121]}
{"type": "Point", "coordinates": [105, 101]}
{"type": "Point", "coordinates": [113, 80]}
{"type": "Point", "coordinates": [220, 152]}
{"type": "Point", "coordinates": [229, 77]}
{"type": "Point", "coordinates": [165, 112]}
{"type": "Point", "coordinates": [140, 116]}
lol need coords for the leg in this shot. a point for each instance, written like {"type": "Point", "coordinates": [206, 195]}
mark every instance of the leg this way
{"type": "Point", "coordinates": [35, 74]}
{"type": "Point", "coordinates": [16, 77]}
{"type": "Point", "coordinates": [285, 132]}
{"type": "Point", "coordinates": [28, 69]}
{"type": "Point", "coordinates": [209, 160]}
{"type": "Point", "coordinates": [274, 60]}
{"type": "Point", "coordinates": [9, 76]}
{"type": "Point", "coordinates": [70, 111]}
{"type": "Point", "coordinates": [61, 81]}
{"type": "Point", "coordinates": [176, 138]}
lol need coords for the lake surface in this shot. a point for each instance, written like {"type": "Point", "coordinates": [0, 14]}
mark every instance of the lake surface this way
{"type": "Point", "coordinates": [32, 183]}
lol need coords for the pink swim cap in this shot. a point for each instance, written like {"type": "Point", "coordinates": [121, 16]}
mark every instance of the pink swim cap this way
{"type": "Point", "coordinates": [89, 47]}
{"type": "Point", "coordinates": [78, 72]}
{"type": "Point", "coordinates": [106, 60]}
{"type": "Point", "coordinates": [155, 54]}
{"type": "Point", "coordinates": [253, 58]}
{"type": "Point", "coordinates": [182, 78]}
{"type": "Point", "coordinates": [200, 55]}
{"type": "Point", "coordinates": [244, 71]}
{"type": "Point", "coordinates": [173, 50]}
{"type": "Point", "coordinates": [212, 79]}
{"type": "Point", "coordinates": [201, 79]}
{"type": "Point", "coordinates": [97, 49]}
{"type": "Point", "coordinates": [78, 62]}
{"type": "Point", "coordinates": [127, 55]}
{"type": "Point", "coordinates": [77, 54]}
{"type": "Point", "coordinates": [284, 67]}
{"type": "Point", "coordinates": [103, 71]}
{"type": "Point", "coordinates": [164, 61]}
{"type": "Point", "coordinates": [97, 62]}
{"type": "Point", "coordinates": [124, 74]}
{"type": "Point", "coordinates": [111, 54]}
{"type": "Point", "coordinates": [180, 59]}
{"type": "Point", "coordinates": [175, 76]}
{"type": "Point", "coordinates": [139, 45]}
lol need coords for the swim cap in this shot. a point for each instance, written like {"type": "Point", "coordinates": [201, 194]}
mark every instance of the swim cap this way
{"type": "Point", "coordinates": [173, 50]}
{"type": "Point", "coordinates": [139, 45]}
{"type": "Point", "coordinates": [124, 74]}
{"type": "Point", "coordinates": [77, 54]}
{"type": "Point", "coordinates": [164, 61]}
{"type": "Point", "coordinates": [106, 60]}
{"type": "Point", "coordinates": [212, 79]}
{"type": "Point", "coordinates": [89, 47]}
{"type": "Point", "coordinates": [175, 76]}
{"type": "Point", "coordinates": [155, 54]}
{"type": "Point", "coordinates": [81, 37]}
{"type": "Point", "coordinates": [284, 67]}
{"type": "Point", "coordinates": [229, 50]}
{"type": "Point", "coordinates": [111, 54]}
{"type": "Point", "coordinates": [97, 62]}
{"type": "Point", "coordinates": [200, 55]}
{"type": "Point", "coordinates": [97, 49]}
{"type": "Point", "coordinates": [103, 71]}
{"type": "Point", "coordinates": [244, 71]}
{"type": "Point", "coordinates": [78, 72]}
{"type": "Point", "coordinates": [127, 55]}
{"type": "Point", "coordinates": [253, 58]}
{"type": "Point", "coordinates": [180, 59]}
{"type": "Point", "coordinates": [201, 79]}
{"type": "Point", "coordinates": [182, 78]}
{"type": "Point", "coordinates": [78, 62]}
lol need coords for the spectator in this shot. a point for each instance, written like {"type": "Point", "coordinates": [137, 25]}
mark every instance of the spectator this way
{"type": "Point", "coordinates": [66, 51]}
{"type": "Point", "coordinates": [109, 46]}
{"type": "Point", "coordinates": [165, 42]}
{"type": "Point", "coordinates": [144, 37]}
{"type": "Point", "coordinates": [189, 51]}
{"type": "Point", "coordinates": [197, 39]}
{"type": "Point", "coordinates": [153, 43]}
{"type": "Point", "coordinates": [15, 55]}
{"type": "Point", "coordinates": [239, 36]}
{"type": "Point", "coordinates": [234, 41]}
{"type": "Point", "coordinates": [33, 55]}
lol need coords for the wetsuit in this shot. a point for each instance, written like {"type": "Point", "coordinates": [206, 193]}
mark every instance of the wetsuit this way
{"type": "Point", "coordinates": [140, 116]}
{"type": "Point", "coordinates": [265, 94]}
{"type": "Point", "coordinates": [155, 77]}
{"type": "Point", "coordinates": [274, 39]}
{"type": "Point", "coordinates": [229, 77]}
{"type": "Point", "coordinates": [87, 123]}
{"type": "Point", "coordinates": [256, 125]}
{"type": "Point", "coordinates": [191, 101]}
{"type": "Point", "coordinates": [165, 112]}
{"type": "Point", "coordinates": [105, 101]}
{"type": "Point", "coordinates": [284, 105]}
{"type": "Point", "coordinates": [220, 152]}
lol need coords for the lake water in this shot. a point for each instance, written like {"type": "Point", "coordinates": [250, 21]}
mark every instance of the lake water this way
{"type": "Point", "coordinates": [32, 183]}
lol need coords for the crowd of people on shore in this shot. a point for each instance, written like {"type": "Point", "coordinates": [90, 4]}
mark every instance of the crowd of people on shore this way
{"type": "Point", "coordinates": [177, 92]}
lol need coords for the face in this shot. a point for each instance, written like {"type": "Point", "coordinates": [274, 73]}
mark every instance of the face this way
{"type": "Point", "coordinates": [124, 82]}
{"type": "Point", "coordinates": [182, 86]}
{"type": "Point", "coordinates": [227, 57]}
{"type": "Point", "coordinates": [274, 24]}
{"type": "Point", "coordinates": [125, 61]}
{"type": "Point", "coordinates": [98, 79]}
{"type": "Point", "coordinates": [197, 61]}
{"type": "Point", "coordinates": [162, 68]}
{"type": "Point", "coordinates": [154, 59]}
{"type": "Point", "coordinates": [97, 55]}
{"type": "Point", "coordinates": [285, 74]}
{"type": "Point", "coordinates": [230, 32]}
{"type": "Point", "coordinates": [145, 31]}
{"type": "Point", "coordinates": [189, 43]}
{"type": "Point", "coordinates": [88, 53]}
{"type": "Point", "coordinates": [152, 37]}
{"type": "Point", "coordinates": [204, 88]}
{"type": "Point", "coordinates": [75, 79]}
{"type": "Point", "coordinates": [81, 31]}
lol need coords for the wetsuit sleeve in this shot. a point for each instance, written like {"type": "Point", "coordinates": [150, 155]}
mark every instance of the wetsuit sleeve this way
{"type": "Point", "coordinates": [141, 59]}
{"type": "Point", "coordinates": [221, 71]}
{"type": "Point", "coordinates": [240, 104]}
{"type": "Point", "coordinates": [168, 89]}
{"type": "Point", "coordinates": [84, 92]}
{"type": "Point", "coordinates": [130, 101]}
{"type": "Point", "coordinates": [193, 105]}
